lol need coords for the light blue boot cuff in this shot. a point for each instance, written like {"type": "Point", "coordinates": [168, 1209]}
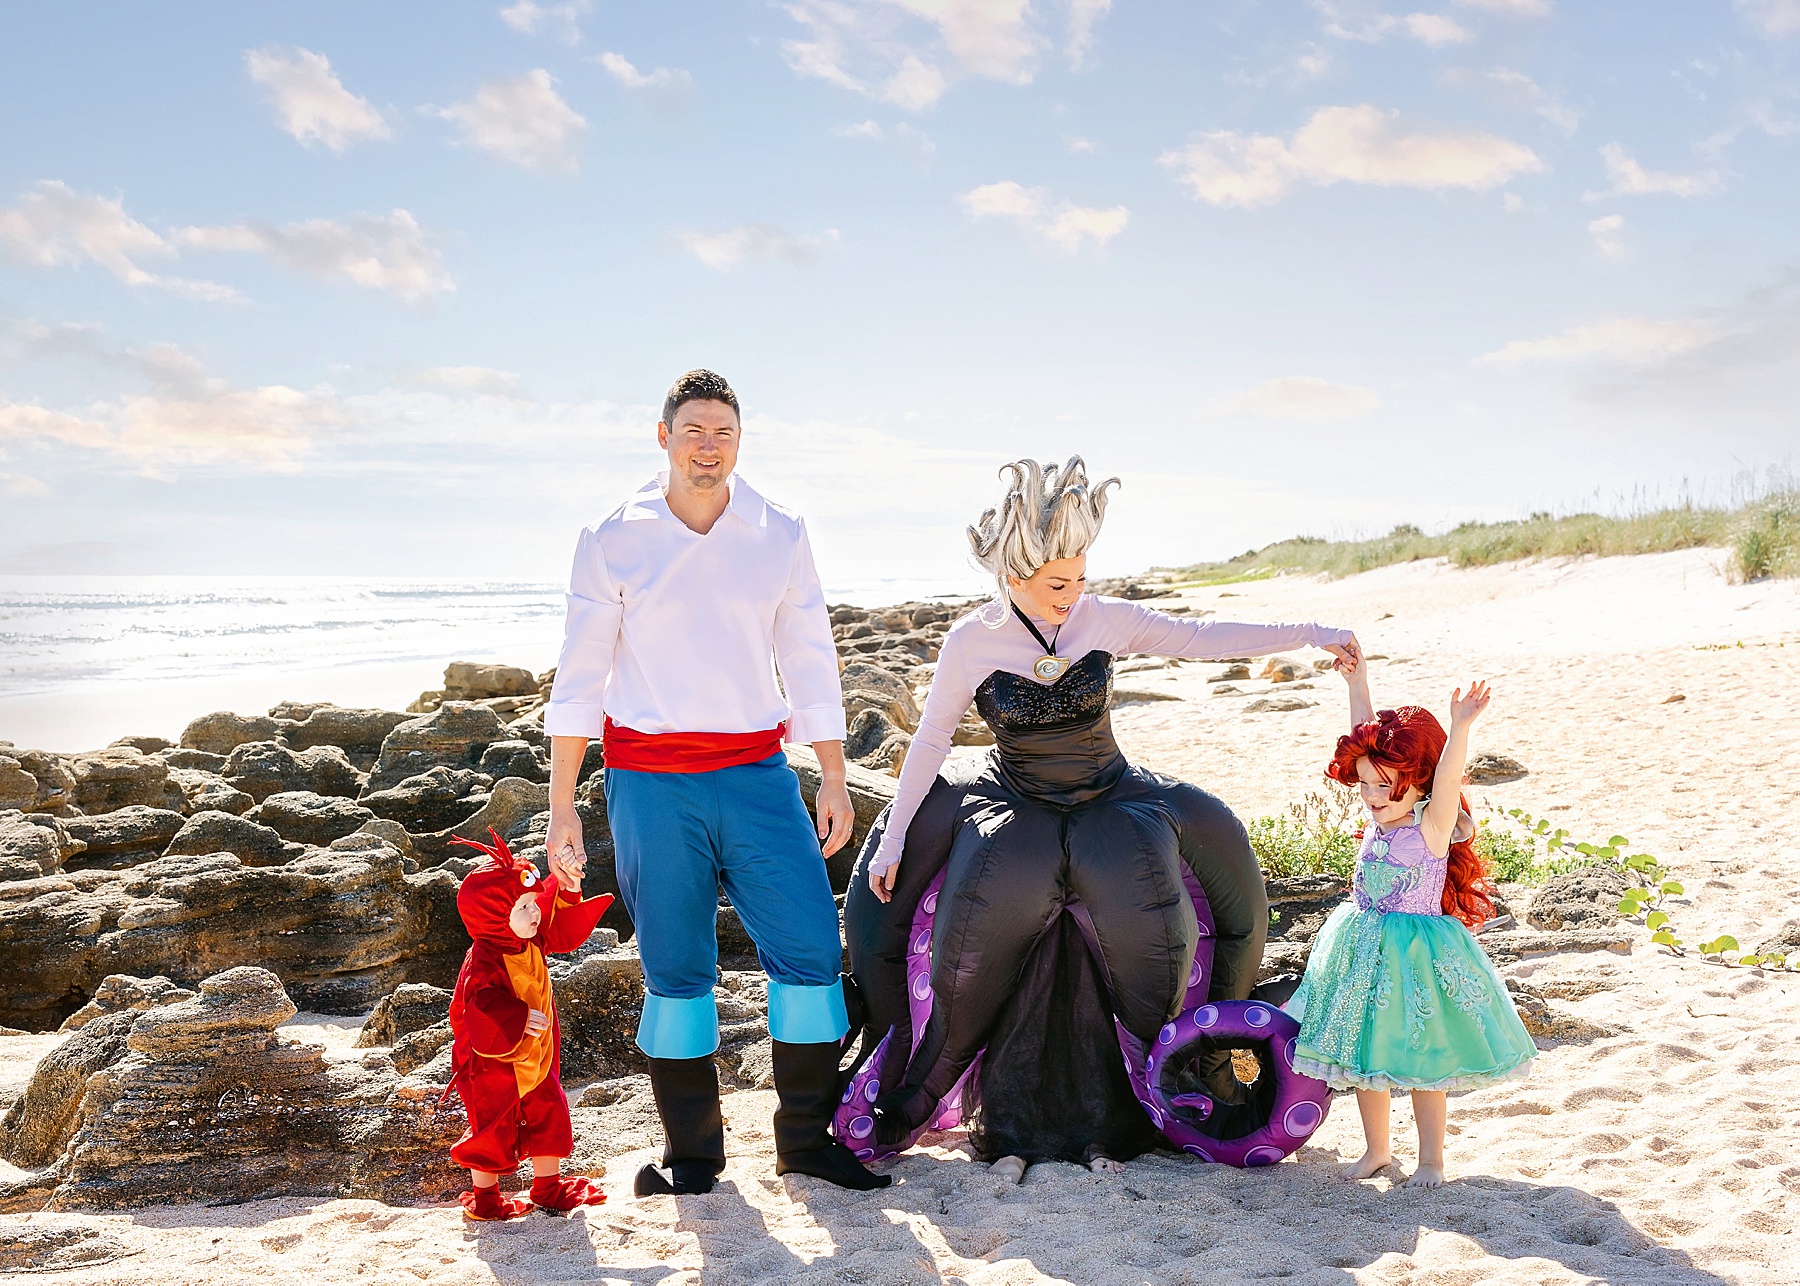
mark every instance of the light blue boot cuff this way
{"type": "Point", "coordinates": [680, 1028]}
{"type": "Point", "coordinates": [807, 1015]}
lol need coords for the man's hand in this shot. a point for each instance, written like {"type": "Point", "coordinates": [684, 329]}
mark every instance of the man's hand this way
{"type": "Point", "coordinates": [563, 844]}
{"type": "Point", "coordinates": [568, 865]}
{"type": "Point", "coordinates": [837, 819]}
{"type": "Point", "coordinates": [536, 1022]}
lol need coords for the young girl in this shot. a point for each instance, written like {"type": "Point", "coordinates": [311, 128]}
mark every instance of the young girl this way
{"type": "Point", "coordinates": [1397, 994]}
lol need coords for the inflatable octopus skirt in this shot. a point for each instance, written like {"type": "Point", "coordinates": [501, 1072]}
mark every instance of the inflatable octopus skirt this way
{"type": "Point", "coordinates": [1276, 1114]}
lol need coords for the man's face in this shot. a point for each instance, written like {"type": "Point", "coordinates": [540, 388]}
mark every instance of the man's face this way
{"type": "Point", "coordinates": [702, 443]}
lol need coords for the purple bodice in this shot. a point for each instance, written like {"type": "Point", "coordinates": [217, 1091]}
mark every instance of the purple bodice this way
{"type": "Point", "coordinates": [1396, 872]}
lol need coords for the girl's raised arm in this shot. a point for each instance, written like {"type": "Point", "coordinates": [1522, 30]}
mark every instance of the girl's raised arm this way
{"type": "Point", "coordinates": [1362, 706]}
{"type": "Point", "coordinates": [1438, 825]}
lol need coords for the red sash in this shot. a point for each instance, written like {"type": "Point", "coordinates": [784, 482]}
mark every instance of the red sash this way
{"type": "Point", "coordinates": [686, 751]}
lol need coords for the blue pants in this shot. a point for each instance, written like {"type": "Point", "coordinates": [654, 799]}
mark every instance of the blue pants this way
{"type": "Point", "coordinates": [679, 838]}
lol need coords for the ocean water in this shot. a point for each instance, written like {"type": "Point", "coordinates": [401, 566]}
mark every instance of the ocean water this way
{"type": "Point", "coordinates": [87, 659]}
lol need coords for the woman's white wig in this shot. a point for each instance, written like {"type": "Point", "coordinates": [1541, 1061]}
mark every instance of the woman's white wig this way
{"type": "Point", "coordinates": [1048, 513]}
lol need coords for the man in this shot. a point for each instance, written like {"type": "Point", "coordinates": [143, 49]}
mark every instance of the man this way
{"type": "Point", "coordinates": [678, 602]}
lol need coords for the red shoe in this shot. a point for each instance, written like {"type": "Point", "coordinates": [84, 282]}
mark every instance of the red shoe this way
{"type": "Point", "coordinates": [561, 1193]}
{"type": "Point", "coordinates": [487, 1204]}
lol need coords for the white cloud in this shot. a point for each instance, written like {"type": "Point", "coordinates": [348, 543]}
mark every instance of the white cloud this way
{"type": "Point", "coordinates": [310, 102]}
{"type": "Point", "coordinates": [381, 252]}
{"type": "Point", "coordinates": [1629, 178]}
{"type": "Point", "coordinates": [53, 226]}
{"type": "Point", "coordinates": [914, 143]}
{"type": "Point", "coordinates": [1516, 89]}
{"type": "Point", "coordinates": [1510, 8]}
{"type": "Point", "coordinates": [1772, 17]}
{"type": "Point", "coordinates": [521, 119]}
{"type": "Point", "coordinates": [1607, 241]}
{"type": "Point", "coordinates": [1343, 144]}
{"type": "Point", "coordinates": [726, 250]}
{"type": "Point", "coordinates": [1075, 145]}
{"type": "Point", "coordinates": [897, 51]}
{"type": "Point", "coordinates": [22, 486]}
{"type": "Point", "coordinates": [190, 421]}
{"type": "Point", "coordinates": [667, 85]}
{"type": "Point", "coordinates": [1629, 340]}
{"type": "Point", "coordinates": [1066, 226]}
{"type": "Point", "coordinates": [1299, 397]}
{"type": "Point", "coordinates": [473, 381]}
{"type": "Point", "coordinates": [1436, 29]}
{"type": "Point", "coordinates": [527, 18]}
{"type": "Point", "coordinates": [1084, 15]}
{"type": "Point", "coordinates": [1355, 22]}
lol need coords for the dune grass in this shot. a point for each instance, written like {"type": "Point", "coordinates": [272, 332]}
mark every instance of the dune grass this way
{"type": "Point", "coordinates": [1763, 537]}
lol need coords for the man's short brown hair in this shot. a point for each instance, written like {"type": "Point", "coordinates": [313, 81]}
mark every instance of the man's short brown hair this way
{"type": "Point", "coordinates": [698, 385]}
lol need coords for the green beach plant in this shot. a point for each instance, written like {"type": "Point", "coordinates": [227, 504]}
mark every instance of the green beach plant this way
{"type": "Point", "coordinates": [1764, 537]}
{"type": "Point", "coordinates": [1315, 838]}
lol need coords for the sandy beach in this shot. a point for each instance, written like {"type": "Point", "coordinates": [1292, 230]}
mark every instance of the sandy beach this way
{"type": "Point", "coordinates": [1658, 1148]}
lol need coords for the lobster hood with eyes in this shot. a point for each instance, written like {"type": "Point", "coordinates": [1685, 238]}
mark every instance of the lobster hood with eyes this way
{"type": "Point", "coordinates": [485, 900]}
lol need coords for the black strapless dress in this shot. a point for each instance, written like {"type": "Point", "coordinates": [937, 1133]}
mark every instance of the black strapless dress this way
{"type": "Point", "coordinates": [1063, 906]}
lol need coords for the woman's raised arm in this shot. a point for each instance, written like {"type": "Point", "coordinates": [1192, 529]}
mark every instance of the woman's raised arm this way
{"type": "Point", "coordinates": [1132, 627]}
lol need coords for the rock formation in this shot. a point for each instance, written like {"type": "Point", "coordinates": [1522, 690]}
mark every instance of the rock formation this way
{"type": "Point", "coordinates": [307, 817]}
{"type": "Point", "coordinates": [264, 768]}
{"type": "Point", "coordinates": [454, 736]}
{"type": "Point", "coordinates": [216, 832]}
{"type": "Point", "coordinates": [33, 845]}
{"type": "Point", "coordinates": [122, 837]}
{"type": "Point", "coordinates": [1584, 898]}
{"type": "Point", "coordinates": [207, 1102]}
{"type": "Point", "coordinates": [343, 926]}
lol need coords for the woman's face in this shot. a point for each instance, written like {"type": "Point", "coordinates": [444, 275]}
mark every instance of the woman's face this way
{"type": "Point", "coordinates": [1051, 591]}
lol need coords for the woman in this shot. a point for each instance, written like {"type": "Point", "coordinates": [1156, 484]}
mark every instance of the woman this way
{"type": "Point", "coordinates": [1053, 818]}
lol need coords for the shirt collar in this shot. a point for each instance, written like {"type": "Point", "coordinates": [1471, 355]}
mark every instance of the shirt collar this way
{"type": "Point", "coordinates": [745, 502]}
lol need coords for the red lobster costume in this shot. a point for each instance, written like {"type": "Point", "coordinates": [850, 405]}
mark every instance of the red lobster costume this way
{"type": "Point", "coordinates": [510, 1081]}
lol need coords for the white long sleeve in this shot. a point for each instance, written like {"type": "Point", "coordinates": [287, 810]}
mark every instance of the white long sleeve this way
{"type": "Point", "coordinates": [971, 651]}
{"type": "Point", "coordinates": [669, 630]}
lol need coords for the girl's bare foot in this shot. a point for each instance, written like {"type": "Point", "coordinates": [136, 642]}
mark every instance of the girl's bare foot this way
{"type": "Point", "coordinates": [1427, 1176]}
{"type": "Point", "coordinates": [1105, 1165]}
{"type": "Point", "coordinates": [1366, 1165]}
{"type": "Point", "coordinates": [1008, 1169]}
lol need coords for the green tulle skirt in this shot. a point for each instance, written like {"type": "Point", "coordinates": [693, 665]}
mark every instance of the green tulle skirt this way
{"type": "Point", "coordinates": [1395, 1001]}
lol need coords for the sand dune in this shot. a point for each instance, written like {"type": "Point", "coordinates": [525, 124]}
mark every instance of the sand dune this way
{"type": "Point", "coordinates": [1665, 1152]}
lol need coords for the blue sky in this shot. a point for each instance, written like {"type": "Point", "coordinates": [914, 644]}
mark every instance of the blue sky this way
{"type": "Point", "coordinates": [396, 289]}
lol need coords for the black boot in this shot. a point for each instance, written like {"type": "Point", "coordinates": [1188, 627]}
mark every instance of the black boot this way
{"type": "Point", "coordinates": [687, 1099]}
{"type": "Point", "coordinates": [807, 1081]}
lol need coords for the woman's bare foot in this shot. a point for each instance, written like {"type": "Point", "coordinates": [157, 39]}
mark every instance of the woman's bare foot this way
{"type": "Point", "coordinates": [1426, 1176]}
{"type": "Point", "coordinates": [1105, 1165]}
{"type": "Point", "coordinates": [1366, 1165]}
{"type": "Point", "coordinates": [1008, 1169]}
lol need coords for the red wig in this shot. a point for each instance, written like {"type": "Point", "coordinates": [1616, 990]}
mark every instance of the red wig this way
{"type": "Point", "coordinates": [1404, 745]}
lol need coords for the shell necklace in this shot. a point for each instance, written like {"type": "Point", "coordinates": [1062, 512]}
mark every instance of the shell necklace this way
{"type": "Point", "coordinates": [1048, 667]}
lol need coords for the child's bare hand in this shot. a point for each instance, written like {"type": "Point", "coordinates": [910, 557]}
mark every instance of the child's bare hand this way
{"type": "Point", "coordinates": [1464, 709]}
{"type": "Point", "coordinates": [568, 865]}
{"type": "Point", "coordinates": [1349, 655]}
{"type": "Point", "coordinates": [536, 1022]}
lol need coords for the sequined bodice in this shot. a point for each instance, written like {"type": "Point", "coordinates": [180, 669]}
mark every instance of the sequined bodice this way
{"type": "Point", "coordinates": [1054, 741]}
{"type": "Point", "coordinates": [1396, 872]}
